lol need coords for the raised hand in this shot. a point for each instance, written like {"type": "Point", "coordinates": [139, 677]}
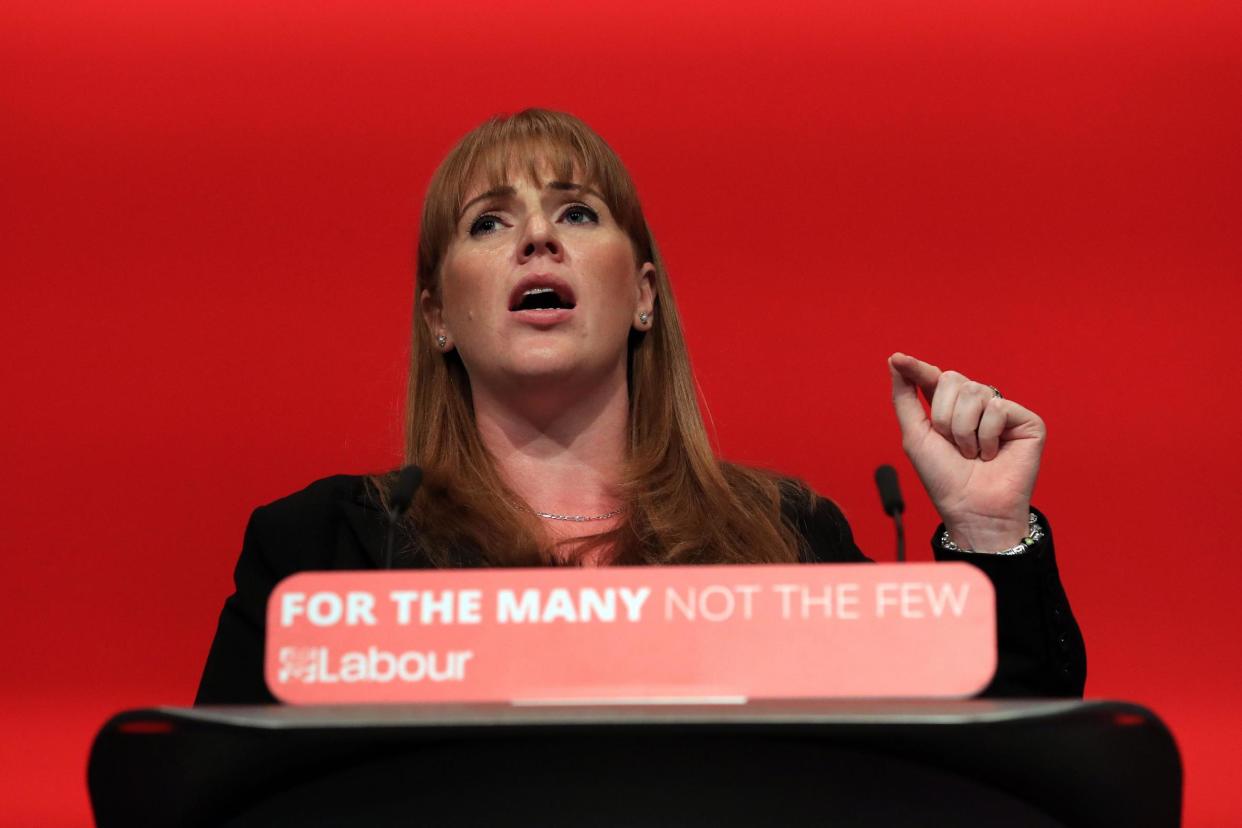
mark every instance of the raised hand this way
{"type": "Point", "coordinates": [976, 453]}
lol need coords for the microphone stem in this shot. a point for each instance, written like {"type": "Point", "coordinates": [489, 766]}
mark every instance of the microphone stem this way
{"type": "Point", "coordinates": [392, 530]}
{"type": "Point", "coordinates": [901, 538]}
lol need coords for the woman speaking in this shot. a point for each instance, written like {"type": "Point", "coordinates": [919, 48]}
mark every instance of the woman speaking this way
{"type": "Point", "coordinates": [553, 413]}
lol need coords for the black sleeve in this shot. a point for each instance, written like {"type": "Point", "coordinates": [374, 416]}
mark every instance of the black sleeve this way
{"type": "Point", "coordinates": [234, 670]}
{"type": "Point", "coordinates": [1040, 650]}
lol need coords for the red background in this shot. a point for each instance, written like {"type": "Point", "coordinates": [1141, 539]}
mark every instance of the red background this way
{"type": "Point", "coordinates": [210, 213]}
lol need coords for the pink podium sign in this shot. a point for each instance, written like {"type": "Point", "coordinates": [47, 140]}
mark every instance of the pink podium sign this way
{"type": "Point", "coordinates": [631, 634]}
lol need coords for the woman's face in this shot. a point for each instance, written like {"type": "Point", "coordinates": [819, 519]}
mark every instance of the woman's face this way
{"type": "Point", "coordinates": [539, 282]}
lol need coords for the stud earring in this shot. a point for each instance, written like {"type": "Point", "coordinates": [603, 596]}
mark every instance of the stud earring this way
{"type": "Point", "coordinates": [643, 316]}
{"type": "Point", "coordinates": [441, 340]}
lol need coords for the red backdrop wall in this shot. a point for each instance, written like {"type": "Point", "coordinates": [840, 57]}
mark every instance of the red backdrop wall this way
{"type": "Point", "coordinates": [210, 212]}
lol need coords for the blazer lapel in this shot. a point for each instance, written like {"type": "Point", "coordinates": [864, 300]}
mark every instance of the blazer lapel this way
{"type": "Point", "coordinates": [369, 525]}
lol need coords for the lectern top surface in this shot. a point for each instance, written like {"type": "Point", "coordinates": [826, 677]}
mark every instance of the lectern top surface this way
{"type": "Point", "coordinates": [782, 712]}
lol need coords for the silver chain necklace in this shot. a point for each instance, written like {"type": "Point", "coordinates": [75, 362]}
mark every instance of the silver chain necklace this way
{"type": "Point", "coordinates": [574, 518]}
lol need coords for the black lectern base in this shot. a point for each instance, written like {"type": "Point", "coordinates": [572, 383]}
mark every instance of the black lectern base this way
{"type": "Point", "coordinates": [765, 764]}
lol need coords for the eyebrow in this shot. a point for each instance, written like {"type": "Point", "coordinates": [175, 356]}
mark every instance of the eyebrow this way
{"type": "Point", "coordinates": [509, 189]}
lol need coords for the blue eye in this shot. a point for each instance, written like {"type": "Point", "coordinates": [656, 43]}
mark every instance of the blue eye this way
{"type": "Point", "coordinates": [580, 214]}
{"type": "Point", "coordinates": [485, 223]}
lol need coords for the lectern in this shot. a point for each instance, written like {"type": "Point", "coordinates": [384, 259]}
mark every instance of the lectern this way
{"type": "Point", "coordinates": [796, 763]}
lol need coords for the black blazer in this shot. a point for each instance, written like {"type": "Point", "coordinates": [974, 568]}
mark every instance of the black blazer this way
{"type": "Point", "coordinates": [335, 524]}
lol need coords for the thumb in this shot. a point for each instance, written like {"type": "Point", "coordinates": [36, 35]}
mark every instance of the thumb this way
{"type": "Point", "coordinates": [910, 414]}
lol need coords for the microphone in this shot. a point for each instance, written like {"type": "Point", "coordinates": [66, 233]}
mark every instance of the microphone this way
{"type": "Point", "coordinates": [408, 481]}
{"type": "Point", "coordinates": [890, 498]}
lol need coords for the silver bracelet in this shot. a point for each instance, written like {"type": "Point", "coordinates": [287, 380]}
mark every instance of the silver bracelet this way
{"type": "Point", "coordinates": [1034, 536]}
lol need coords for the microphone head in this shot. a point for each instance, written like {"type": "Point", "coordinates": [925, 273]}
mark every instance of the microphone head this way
{"type": "Point", "coordinates": [408, 481]}
{"type": "Point", "coordinates": [890, 492]}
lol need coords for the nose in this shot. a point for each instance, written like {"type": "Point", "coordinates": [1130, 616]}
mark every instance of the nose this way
{"type": "Point", "coordinates": [539, 239]}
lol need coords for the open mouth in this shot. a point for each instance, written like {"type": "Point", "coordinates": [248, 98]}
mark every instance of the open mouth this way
{"type": "Point", "coordinates": [544, 293]}
{"type": "Point", "coordinates": [542, 299]}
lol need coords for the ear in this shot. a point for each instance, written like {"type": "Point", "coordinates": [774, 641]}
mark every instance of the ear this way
{"type": "Point", "coordinates": [433, 317]}
{"type": "Point", "coordinates": [644, 313]}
